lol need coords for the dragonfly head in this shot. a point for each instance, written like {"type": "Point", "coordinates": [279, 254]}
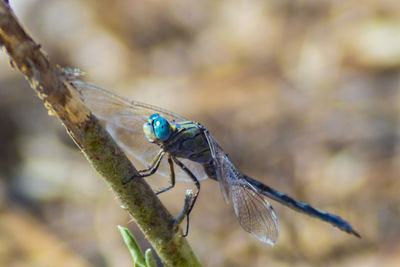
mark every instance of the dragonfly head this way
{"type": "Point", "coordinates": [157, 128]}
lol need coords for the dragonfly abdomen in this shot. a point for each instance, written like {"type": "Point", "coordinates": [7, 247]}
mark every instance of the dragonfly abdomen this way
{"type": "Point", "coordinates": [302, 207]}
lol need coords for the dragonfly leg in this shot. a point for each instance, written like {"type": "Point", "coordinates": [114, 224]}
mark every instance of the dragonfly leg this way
{"type": "Point", "coordinates": [155, 163]}
{"type": "Point", "coordinates": [186, 206]}
{"type": "Point", "coordinates": [172, 176]}
{"type": "Point", "coordinates": [186, 210]}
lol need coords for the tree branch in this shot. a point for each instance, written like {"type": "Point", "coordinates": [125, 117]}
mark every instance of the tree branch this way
{"type": "Point", "coordinates": [50, 84]}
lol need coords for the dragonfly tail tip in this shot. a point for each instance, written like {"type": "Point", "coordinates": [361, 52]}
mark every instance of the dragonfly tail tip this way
{"type": "Point", "coordinates": [355, 233]}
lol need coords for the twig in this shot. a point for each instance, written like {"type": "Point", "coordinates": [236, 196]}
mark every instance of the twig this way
{"type": "Point", "coordinates": [100, 149]}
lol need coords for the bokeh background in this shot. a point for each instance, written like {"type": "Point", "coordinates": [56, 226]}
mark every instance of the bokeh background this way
{"type": "Point", "coordinates": [303, 95]}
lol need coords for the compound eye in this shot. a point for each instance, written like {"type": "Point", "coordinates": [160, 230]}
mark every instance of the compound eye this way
{"type": "Point", "coordinates": [161, 128]}
{"type": "Point", "coordinates": [149, 132]}
{"type": "Point", "coordinates": [152, 117]}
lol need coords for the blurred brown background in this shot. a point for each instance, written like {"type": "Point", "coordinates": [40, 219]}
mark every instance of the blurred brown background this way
{"type": "Point", "coordinates": [303, 95]}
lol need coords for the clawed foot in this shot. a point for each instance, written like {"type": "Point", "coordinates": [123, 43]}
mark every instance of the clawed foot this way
{"type": "Point", "coordinates": [131, 178]}
{"type": "Point", "coordinates": [188, 201]}
{"type": "Point", "coordinates": [139, 174]}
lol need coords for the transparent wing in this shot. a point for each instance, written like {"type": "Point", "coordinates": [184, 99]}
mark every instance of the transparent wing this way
{"type": "Point", "coordinates": [124, 120]}
{"type": "Point", "coordinates": [224, 169]}
{"type": "Point", "coordinates": [255, 214]}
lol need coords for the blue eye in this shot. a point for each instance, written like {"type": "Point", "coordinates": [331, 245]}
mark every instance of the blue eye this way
{"type": "Point", "coordinates": [152, 117]}
{"type": "Point", "coordinates": [161, 128]}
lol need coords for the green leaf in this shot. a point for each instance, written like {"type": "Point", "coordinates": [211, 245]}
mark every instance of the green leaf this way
{"type": "Point", "coordinates": [137, 255]}
{"type": "Point", "coordinates": [150, 261]}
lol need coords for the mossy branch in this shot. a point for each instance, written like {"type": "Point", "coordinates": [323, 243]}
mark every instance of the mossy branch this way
{"type": "Point", "coordinates": [50, 84]}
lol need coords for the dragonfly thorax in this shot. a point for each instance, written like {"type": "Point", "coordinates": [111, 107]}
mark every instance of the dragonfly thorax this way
{"type": "Point", "coordinates": [188, 141]}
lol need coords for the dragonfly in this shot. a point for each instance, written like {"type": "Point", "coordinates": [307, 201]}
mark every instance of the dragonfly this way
{"type": "Point", "coordinates": [161, 139]}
